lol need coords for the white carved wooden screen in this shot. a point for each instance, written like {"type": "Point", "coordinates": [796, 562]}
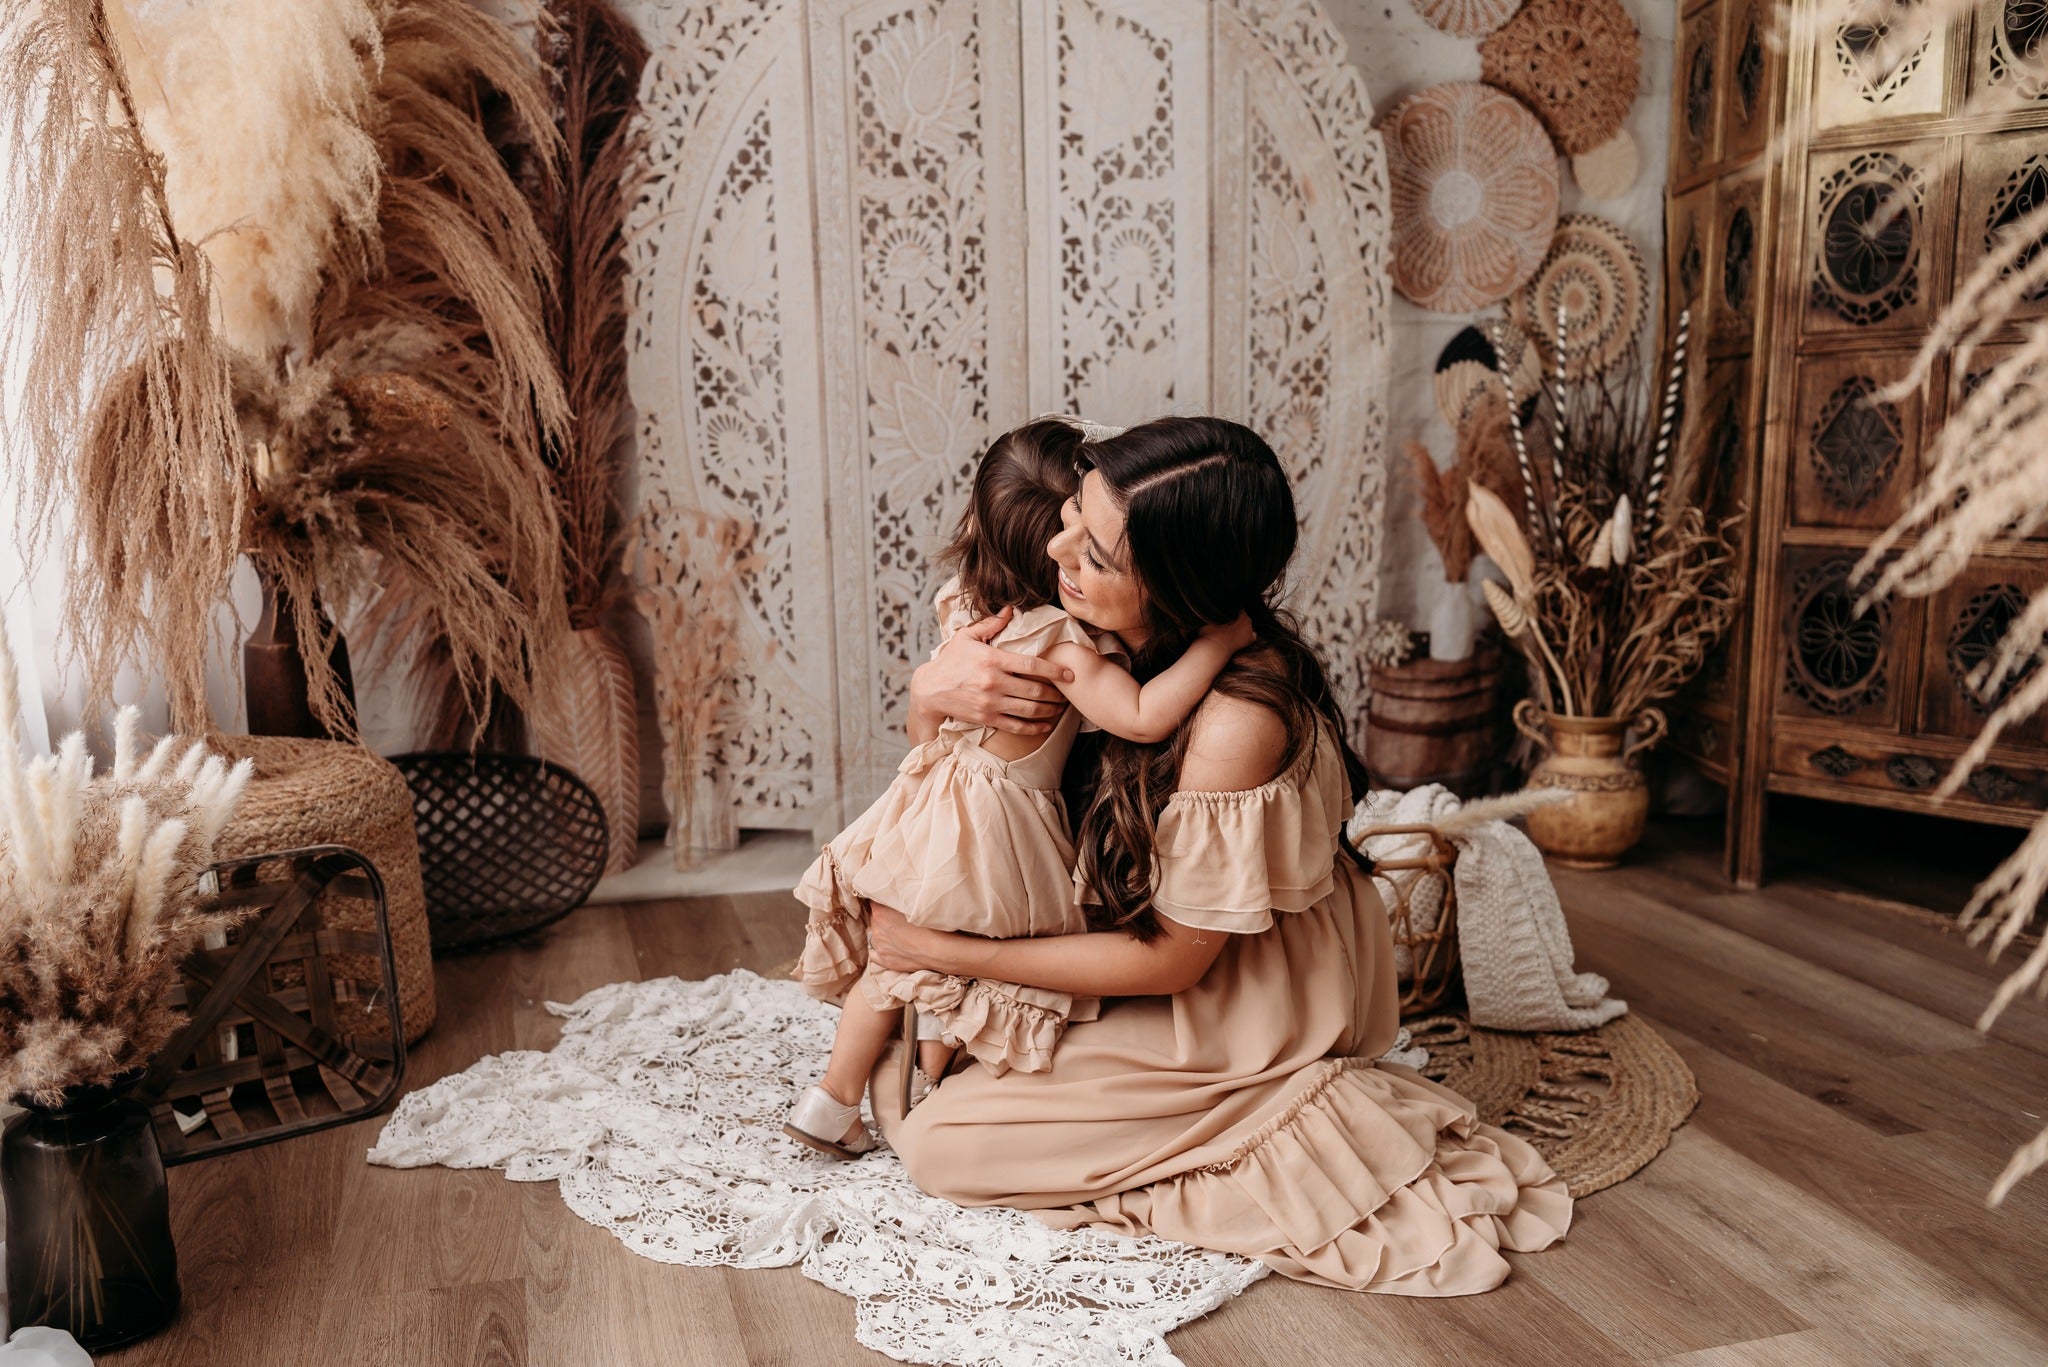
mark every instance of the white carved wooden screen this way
{"type": "Point", "coordinates": [877, 232]}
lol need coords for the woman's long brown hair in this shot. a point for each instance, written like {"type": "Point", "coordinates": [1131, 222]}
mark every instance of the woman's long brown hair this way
{"type": "Point", "coordinates": [1209, 529]}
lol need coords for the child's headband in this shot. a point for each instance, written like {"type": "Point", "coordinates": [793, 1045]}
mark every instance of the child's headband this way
{"type": "Point", "coordinates": [1090, 431]}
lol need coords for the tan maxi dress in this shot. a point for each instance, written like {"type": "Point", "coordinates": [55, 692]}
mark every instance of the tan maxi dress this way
{"type": "Point", "coordinates": [1246, 1114]}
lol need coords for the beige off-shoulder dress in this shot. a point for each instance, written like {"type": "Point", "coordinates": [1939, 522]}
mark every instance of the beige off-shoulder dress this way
{"type": "Point", "coordinates": [961, 840]}
{"type": "Point", "coordinates": [1247, 1114]}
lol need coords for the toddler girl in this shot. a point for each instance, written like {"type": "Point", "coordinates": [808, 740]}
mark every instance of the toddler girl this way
{"type": "Point", "coordinates": [972, 834]}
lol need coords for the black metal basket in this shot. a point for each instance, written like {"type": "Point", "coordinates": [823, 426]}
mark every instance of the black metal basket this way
{"type": "Point", "coordinates": [508, 843]}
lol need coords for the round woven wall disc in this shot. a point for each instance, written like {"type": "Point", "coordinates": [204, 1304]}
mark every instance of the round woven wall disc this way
{"type": "Point", "coordinates": [1474, 190]}
{"type": "Point", "coordinates": [1466, 18]}
{"type": "Point", "coordinates": [1609, 171]}
{"type": "Point", "coordinates": [1575, 62]}
{"type": "Point", "coordinates": [1597, 277]}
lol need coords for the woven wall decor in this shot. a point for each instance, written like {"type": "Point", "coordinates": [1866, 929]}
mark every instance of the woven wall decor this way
{"type": "Point", "coordinates": [316, 792]}
{"type": "Point", "coordinates": [1473, 179]}
{"type": "Point", "coordinates": [1466, 18]}
{"type": "Point", "coordinates": [1576, 63]}
{"type": "Point", "coordinates": [1596, 275]}
{"type": "Point", "coordinates": [1469, 367]}
{"type": "Point", "coordinates": [1609, 171]}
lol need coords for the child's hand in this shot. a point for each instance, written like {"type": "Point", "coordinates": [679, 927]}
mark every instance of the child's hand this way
{"type": "Point", "coordinates": [1237, 635]}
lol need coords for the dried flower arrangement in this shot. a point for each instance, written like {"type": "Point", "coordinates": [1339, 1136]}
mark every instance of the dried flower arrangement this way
{"type": "Point", "coordinates": [688, 566]}
{"type": "Point", "coordinates": [1388, 644]}
{"type": "Point", "coordinates": [1618, 583]}
{"type": "Point", "coordinates": [311, 328]}
{"type": "Point", "coordinates": [100, 898]}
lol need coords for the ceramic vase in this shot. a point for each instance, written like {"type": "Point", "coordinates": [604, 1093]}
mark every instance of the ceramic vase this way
{"type": "Point", "coordinates": [1592, 758]}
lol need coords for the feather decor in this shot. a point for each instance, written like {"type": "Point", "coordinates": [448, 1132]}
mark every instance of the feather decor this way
{"type": "Point", "coordinates": [1443, 510]}
{"type": "Point", "coordinates": [126, 413]}
{"type": "Point", "coordinates": [100, 900]}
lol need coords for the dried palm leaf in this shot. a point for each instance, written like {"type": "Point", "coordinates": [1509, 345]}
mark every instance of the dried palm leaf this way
{"type": "Point", "coordinates": [1443, 511]}
{"type": "Point", "coordinates": [1501, 538]}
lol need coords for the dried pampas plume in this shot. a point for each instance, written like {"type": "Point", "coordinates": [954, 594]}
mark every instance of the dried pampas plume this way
{"type": "Point", "coordinates": [100, 901]}
{"type": "Point", "coordinates": [257, 109]}
{"type": "Point", "coordinates": [126, 415]}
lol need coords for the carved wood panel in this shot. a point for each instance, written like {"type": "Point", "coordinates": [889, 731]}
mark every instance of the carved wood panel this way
{"type": "Point", "coordinates": [1856, 454]}
{"type": "Point", "coordinates": [1740, 239]}
{"type": "Point", "coordinates": [1862, 75]}
{"type": "Point", "coordinates": [1689, 252]}
{"type": "Point", "coordinates": [1697, 85]}
{"type": "Point", "coordinates": [1749, 75]}
{"type": "Point", "coordinates": [2005, 179]}
{"type": "Point", "coordinates": [1877, 221]}
{"type": "Point", "coordinates": [877, 232]}
{"type": "Point", "coordinates": [1966, 626]}
{"type": "Point", "coordinates": [1835, 663]}
{"type": "Point", "coordinates": [2009, 55]}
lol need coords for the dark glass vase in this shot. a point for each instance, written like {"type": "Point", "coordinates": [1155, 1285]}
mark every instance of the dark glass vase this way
{"type": "Point", "coordinates": [88, 1220]}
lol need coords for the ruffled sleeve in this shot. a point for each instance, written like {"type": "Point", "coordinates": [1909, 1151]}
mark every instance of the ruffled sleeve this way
{"type": "Point", "coordinates": [953, 609]}
{"type": "Point", "coordinates": [1228, 861]}
{"type": "Point", "coordinates": [1037, 631]}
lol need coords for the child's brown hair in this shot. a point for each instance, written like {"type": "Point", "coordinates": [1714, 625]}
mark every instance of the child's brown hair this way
{"type": "Point", "coordinates": [1013, 512]}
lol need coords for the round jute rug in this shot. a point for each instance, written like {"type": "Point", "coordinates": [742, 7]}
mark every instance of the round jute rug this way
{"type": "Point", "coordinates": [1598, 1105]}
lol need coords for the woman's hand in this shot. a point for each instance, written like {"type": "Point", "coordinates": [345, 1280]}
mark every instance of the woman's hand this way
{"type": "Point", "coordinates": [1237, 635]}
{"type": "Point", "coordinates": [901, 947]}
{"type": "Point", "coordinates": [972, 681]}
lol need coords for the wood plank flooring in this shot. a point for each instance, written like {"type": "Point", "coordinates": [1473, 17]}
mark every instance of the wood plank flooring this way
{"type": "Point", "coordinates": [1825, 1204]}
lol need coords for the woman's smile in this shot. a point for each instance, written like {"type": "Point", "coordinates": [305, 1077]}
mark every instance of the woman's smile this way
{"type": "Point", "coordinates": [1068, 588]}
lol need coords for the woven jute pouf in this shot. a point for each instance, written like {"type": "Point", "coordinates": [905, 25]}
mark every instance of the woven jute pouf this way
{"type": "Point", "coordinates": [1598, 1105]}
{"type": "Point", "coordinates": [314, 792]}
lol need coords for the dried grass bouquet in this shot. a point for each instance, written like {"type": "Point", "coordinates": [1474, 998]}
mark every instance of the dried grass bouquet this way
{"type": "Point", "coordinates": [1618, 582]}
{"type": "Point", "coordinates": [100, 898]}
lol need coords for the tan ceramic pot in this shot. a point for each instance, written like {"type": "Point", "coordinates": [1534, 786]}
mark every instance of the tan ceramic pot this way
{"type": "Point", "coordinates": [1593, 759]}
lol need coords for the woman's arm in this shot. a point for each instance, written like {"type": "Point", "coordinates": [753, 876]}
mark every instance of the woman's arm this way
{"type": "Point", "coordinates": [1106, 963]}
{"type": "Point", "coordinates": [1234, 746]}
{"type": "Point", "coordinates": [1108, 695]}
{"type": "Point", "coordinates": [972, 681]}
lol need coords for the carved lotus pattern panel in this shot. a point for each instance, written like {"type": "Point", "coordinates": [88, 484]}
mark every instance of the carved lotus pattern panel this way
{"type": "Point", "coordinates": [1978, 635]}
{"type": "Point", "coordinates": [1834, 656]}
{"type": "Point", "coordinates": [1868, 214]}
{"type": "Point", "coordinates": [1871, 51]}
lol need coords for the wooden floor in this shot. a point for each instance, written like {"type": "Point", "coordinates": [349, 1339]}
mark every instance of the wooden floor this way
{"type": "Point", "coordinates": [1823, 1206]}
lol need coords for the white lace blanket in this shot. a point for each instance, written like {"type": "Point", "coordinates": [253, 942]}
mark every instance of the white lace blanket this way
{"type": "Point", "coordinates": [660, 1115]}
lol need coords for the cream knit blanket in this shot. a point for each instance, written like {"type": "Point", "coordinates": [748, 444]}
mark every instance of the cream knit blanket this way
{"type": "Point", "coordinates": [1513, 946]}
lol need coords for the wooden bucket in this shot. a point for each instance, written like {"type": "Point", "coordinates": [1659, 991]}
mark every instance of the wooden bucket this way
{"type": "Point", "coordinates": [1432, 721]}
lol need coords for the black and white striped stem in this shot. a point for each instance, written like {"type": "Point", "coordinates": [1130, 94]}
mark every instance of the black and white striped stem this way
{"type": "Point", "coordinates": [1557, 441]}
{"type": "Point", "coordinates": [1507, 382]}
{"type": "Point", "coordinates": [1667, 421]}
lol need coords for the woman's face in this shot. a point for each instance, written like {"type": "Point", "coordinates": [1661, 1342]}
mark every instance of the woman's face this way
{"type": "Point", "coordinates": [1097, 585]}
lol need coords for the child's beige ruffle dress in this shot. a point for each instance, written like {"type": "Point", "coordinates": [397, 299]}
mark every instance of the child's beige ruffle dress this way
{"type": "Point", "coordinates": [964, 841]}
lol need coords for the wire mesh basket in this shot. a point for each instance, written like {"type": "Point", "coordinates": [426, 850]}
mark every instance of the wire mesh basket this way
{"type": "Point", "coordinates": [508, 843]}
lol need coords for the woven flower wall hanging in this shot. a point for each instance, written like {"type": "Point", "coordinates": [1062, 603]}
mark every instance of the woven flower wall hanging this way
{"type": "Point", "coordinates": [1466, 18]}
{"type": "Point", "coordinates": [1474, 185]}
{"type": "Point", "coordinates": [1595, 275]}
{"type": "Point", "coordinates": [1575, 62]}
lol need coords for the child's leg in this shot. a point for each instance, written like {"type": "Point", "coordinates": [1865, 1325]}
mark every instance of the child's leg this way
{"type": "Point", "coordinates": [934, 1055]}
{"type": "Point", "coordinates": [862, 1035]}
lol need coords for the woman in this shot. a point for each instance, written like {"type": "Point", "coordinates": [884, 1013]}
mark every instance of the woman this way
{"type": "Point", "coordinates": [1226, 1095]}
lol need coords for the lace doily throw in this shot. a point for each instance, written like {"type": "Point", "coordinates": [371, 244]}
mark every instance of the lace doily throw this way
{"type": "Point", "coordinates": [659, 1114]}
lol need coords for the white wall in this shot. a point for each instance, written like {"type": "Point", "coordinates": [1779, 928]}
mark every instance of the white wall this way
{"type": "Point", "coordinates": [1399, 53]}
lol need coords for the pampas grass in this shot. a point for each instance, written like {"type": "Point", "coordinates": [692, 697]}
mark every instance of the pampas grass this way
{"type": "Point", "coordinates": [257, 109]}
{"type": "Point", "coordinates": [127, 415]}
{"type": "Point", "coordinates": [595, 55]}
{"type": "Point", "coordinates": [688, 566]}
{"type": "Point", "coordinates": [100, 900]}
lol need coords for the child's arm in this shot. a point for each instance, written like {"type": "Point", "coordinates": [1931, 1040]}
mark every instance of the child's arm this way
{"type": "Point", "coordinates": [1107, 695]}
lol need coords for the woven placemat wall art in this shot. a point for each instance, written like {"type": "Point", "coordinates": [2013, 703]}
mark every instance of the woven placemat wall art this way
{"type": "Point", "coordinates": [1576, 63]}
{"type": "Point", "coordinates": [1597, 277]}
{"type": "Point", "coordinates": [1598, 1105]}
{"type": "Point", "coordinates": [1474, 185]}
{"type": "Point", "coordinates": [1466, 18]}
